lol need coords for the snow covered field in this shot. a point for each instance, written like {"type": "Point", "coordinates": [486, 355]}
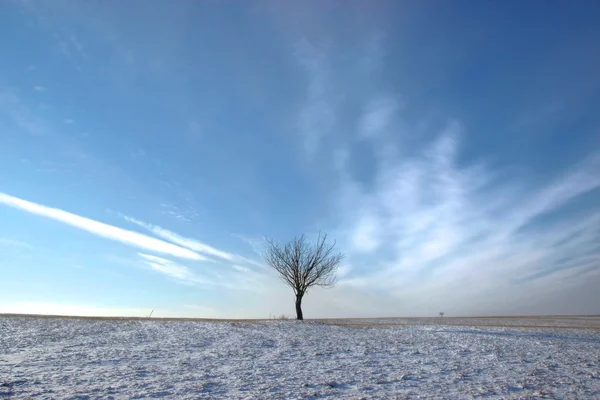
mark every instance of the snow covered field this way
{"type": "Point", "coordinates": [575, 322]}
{"type": "Point", "coordinates": [128, 358]}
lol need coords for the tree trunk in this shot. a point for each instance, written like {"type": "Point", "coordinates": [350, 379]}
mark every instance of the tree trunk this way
{"type": "Point", "coordinates": [299, 307]}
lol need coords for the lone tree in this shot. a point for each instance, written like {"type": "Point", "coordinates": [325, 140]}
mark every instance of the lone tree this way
{"type": "Point", "coordinates": [303, 265]}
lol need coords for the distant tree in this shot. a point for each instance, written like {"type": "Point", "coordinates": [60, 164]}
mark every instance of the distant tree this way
{"type": "Point", "coordinates": [442, 314]}
{"type": "Point", "coordinates": [302, 265]}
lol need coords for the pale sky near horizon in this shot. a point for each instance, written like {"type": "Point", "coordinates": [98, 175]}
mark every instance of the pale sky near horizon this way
{"type": "Point", "coordinates": [452, 150]}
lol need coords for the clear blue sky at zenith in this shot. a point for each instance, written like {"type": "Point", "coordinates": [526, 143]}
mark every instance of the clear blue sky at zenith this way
{"type": "Point", "coordinates": [451, 148]}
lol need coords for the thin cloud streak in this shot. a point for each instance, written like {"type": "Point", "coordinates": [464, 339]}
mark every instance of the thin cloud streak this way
{"type": "Point", "coordinates": [173, 270]}
{"type": "Point", "coordinates": [100, 229]}
{"type": "Point", "coordinates": [235, 278]}
{"type": "Point", "coordinates": [14, 243]}
{"type": "Point", "coordinates": [189, 243]}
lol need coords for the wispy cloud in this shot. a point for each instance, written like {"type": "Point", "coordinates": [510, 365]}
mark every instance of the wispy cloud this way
{"type": "Point", "coordinates": [187, 214]}
{"type": "Point", "coordinates": [236, 277]}
{"type": "Point", "coordinates": [100, 229]}
{"type": "Point", "coordinates": [189, 243]}
{"type": "Point", "coordinates": [341, 156]}
{"type": "Point", "coordinates": [249, 261]}
{"type": "Point", "coordinates": [71, 46]}
{"type": "Point", "coordinates": [241, 268]}
{"type": "Point", "coordinates": [371, 61]}
{"type": "Point", "coordinates": [173, 270]}
{"type": "Point", "coordinates": [317, 116]}
{"type": "Point", "coordinates": [23, 117]}
{"type": "Point", "coordinates": [365, 237]}
{"type": "Point", "coordinates": [378, 117]}
{"type": "Point", "coordinates": [257, 244]}
{"type": "Point", "coordinates": [14, 243]}
{"type": "Point", "coordinates": [431, 225]}
{"type": "Point", "coordinates": [38, 88]}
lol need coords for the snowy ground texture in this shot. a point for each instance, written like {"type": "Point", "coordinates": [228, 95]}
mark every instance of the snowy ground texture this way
{"type": "Point", "coordinates": [102, 358]}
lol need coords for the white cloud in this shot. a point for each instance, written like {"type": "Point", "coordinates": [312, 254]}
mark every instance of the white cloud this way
{"type": "Point", "coordinates": [38, 88]}
{"type": "Point", "coordinates": [429, 231]}
{"type": "Point", "coordinates": [14, 243]}
{"type": "Point", "coordinates": [237, 278]}
{"type": "Point", "coordinates": [257, 244]}
{"type": "Point", "coordinates": [173, 270]}
{"type": "Point", "coordinates": [371, 61]}
{"type": "Point", "coordinates": [580, 179]}
{"type": "Point", "coordinates": [241, 269]}
{"type": "Point", "coordinates": [21, 115]}
{"type": "Point", "coordinates": [340, 158]}
{"type": "Point", "coordinates": [378, 117]}
{"type": "Point", "coordinates": [70, 45]}
{"type": "Point", "coordinates": [100, 229]}
{"type": "Point", "coordinates": [248, 261]}
{"type": "Point", "coordinates": [343, 270]}
{"type": "Point", "coordinates": [317, 116]}
{"type": "Point", "coordinates": [365, 236]}
{"type": "Point", "coordinates": [439, 232]}
{"type": "Point", "coordinates": [187, 214]}
{"type": "Point", "coordinates": [189, 243]}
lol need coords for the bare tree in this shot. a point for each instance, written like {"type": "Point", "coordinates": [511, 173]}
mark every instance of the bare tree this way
{"type": "Point", "coordinates": [302, 265]}
{"type": "Point", "coordinates": [442, 314]}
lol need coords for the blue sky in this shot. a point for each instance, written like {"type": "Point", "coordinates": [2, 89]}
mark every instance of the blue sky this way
{"type": "Point", "coordinates": [451, 149]}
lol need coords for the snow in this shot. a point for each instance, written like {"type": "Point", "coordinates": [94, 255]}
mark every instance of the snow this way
{"type": "Point", "coordinates": [134, 358]}
{"type": "Point", "coordinates": [576, 322]}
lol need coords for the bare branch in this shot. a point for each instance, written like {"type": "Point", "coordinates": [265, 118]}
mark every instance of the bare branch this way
{"type": "Point", "coordinates": [302, 265]}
